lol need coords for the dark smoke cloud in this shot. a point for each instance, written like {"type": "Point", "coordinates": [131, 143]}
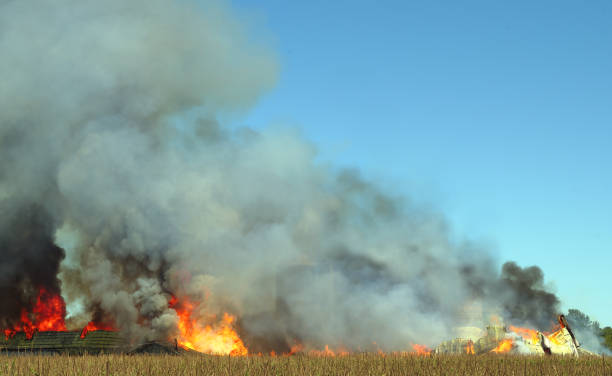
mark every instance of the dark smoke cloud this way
{"type": "Point", "coordinates": [528, 299]}
{"type": "Point", "coordinates": [100, 150]}
{"type": "Point", "coordinates": [29, 259]}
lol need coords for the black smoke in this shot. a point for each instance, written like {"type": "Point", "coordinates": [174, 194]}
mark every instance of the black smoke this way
{"type": "Point", "coordinates": [29, 258]}
{"type": "Point", "coordinates": [527, 299]}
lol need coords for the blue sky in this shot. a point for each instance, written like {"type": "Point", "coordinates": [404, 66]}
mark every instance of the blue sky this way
{"type": "Point", "coordinates": [498, 114]}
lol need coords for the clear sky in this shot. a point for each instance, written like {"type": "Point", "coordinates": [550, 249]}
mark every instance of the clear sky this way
{"type": "Point", "coordinates": [498, 113]}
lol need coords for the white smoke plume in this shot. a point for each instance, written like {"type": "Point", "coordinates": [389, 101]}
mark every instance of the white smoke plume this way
{"type": "Point", "coordinates": [108, 126]}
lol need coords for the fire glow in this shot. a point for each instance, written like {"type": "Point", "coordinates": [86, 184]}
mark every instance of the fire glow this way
{"type": "Point", "coordinates": [47, 314]}
{"type": "Point", "coordinates": [526, 333]}
{"type": "Point", "coordinates": [469, 349]}
{"type": "Point", "coordinates": [504, 346]}
{"type": "Point", "coordinates": [217, 334]}
{"type": "Point", "coordinates": [93, 326]}
{"type": "Point", "coordinates": [341, 351]}
{"type": "Point", "coordinates": [219, 338]}
{"type": "Point", "coordinates": [421, 350]}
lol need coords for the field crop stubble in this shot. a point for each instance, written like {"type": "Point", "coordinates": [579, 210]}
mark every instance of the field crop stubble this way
{"type": "Point", "coordinates": [357, 364]}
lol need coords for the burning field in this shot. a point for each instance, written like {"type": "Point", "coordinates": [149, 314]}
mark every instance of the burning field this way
{"type": "Point", "coordinates": [135, 211]}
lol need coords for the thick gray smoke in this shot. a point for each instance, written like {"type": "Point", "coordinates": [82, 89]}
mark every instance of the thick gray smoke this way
{"type": "Point", "coordinates": [109, 142]}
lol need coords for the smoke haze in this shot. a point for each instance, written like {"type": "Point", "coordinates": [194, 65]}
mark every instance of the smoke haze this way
{"type": "Point", "coordinates": [99, 147]}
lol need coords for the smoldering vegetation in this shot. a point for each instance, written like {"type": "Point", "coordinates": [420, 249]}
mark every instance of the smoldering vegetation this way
{"type": "Point", "coordinates": [112, 156]}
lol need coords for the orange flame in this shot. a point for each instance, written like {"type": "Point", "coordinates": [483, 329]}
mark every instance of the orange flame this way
{"type": "Point", "coordinates": [47, 314]}
{"type": "Point", "coordinates": [503, 347]}
{"type": "Point", "coordinates": [469, 348]}
{"type": "Point", "coordinates": [532, 335]}
{"type": "Point", "coordinates": [526, 333]}
{"type": "Point", "coordinates": [341, 351]}
{"type": "Point", "coordinates": [296, 348]}
{"type": "Point", "coordinates": [554, 337]}
{"type": "Point", "coordinates": [93, 326]}
{"type": "Point", "coordinates": [421, 349]}
{"type": "Point", "coordinates": [219, 339]}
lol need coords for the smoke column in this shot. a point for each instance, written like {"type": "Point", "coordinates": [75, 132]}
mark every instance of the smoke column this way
{"type": "Point", "coordinates": [111, 148]}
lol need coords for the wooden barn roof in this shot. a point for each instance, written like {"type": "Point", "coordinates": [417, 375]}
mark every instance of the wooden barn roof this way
{"type": "Point", "coordinates": [94, 342]}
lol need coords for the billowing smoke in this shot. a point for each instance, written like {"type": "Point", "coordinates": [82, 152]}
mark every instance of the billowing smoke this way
{"type": "Point", "coordinates": [527, 299]}
{"type": "Point", "coordinates": [111, 147]}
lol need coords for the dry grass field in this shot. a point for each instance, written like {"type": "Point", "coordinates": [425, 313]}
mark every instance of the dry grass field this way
{"type": "Point", "coordinates": [360, 364]}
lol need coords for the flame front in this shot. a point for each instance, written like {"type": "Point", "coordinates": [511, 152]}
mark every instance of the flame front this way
{"type": "Point", "coordinates": [296, 348]}
{"type": "Point", "coordinates": [341, 351]}
{"type": "Point", "coordinates": [421, 349]}
{"type": "Point", "coordinates": [219, 338]}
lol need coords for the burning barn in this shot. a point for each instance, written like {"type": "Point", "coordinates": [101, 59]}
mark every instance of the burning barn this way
{"type": "Point", "coordinates": [43, 330]}
{"type": "Point", "coordinates": [64, 342]}
{"type": "Point", "coordinates": [124, 198]}
{"type": "Point", "coordinates": [511, 339]}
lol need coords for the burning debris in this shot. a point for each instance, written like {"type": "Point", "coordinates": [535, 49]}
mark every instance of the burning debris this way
{"type": "Point", "coordinates": [43, 330]}
{"type": "Point", "coordinates": [516, 340]}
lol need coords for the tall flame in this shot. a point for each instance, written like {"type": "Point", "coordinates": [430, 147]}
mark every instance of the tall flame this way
{"type": "Point", "coordinates": [48, 313]}
{"type": "Point", "coordinates": [219, 338]}
{"type": "Point", "coordinates": [469, 348]}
